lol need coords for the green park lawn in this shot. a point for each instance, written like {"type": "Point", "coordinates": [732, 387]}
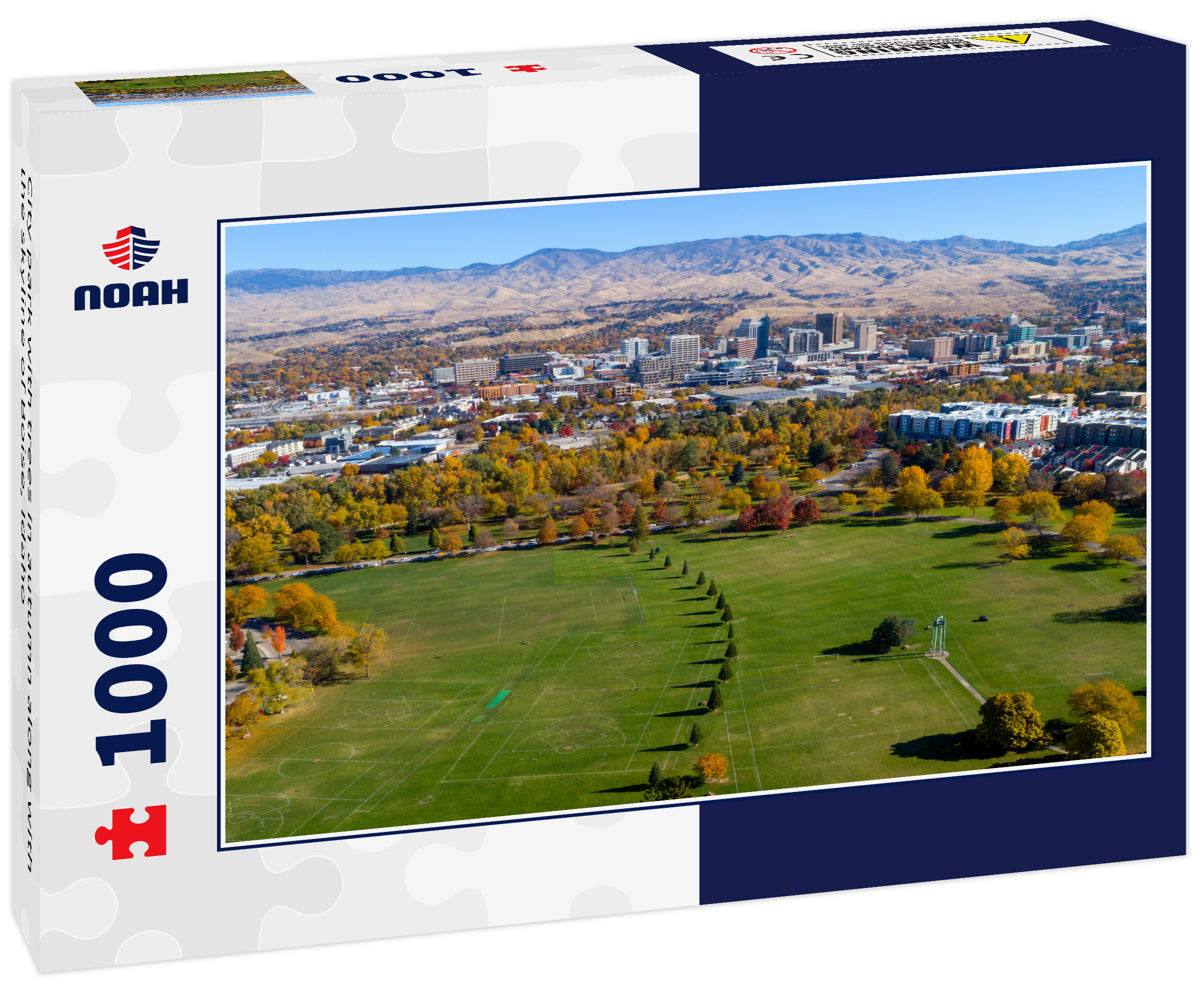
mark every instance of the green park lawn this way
{"type": "Point", "coordinates": [553, 678]}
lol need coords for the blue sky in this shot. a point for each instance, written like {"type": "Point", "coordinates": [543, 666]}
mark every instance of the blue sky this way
{"type": "Point", "coordinates": [1043, 208]}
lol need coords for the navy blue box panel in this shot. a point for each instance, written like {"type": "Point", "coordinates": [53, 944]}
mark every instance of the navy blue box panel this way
{"type": "Point", "coordinates": [933, 114]}
{"type": "Point", "coordinates": [899, 833]}
{"type": "Point", "coordinates": [929, 115]}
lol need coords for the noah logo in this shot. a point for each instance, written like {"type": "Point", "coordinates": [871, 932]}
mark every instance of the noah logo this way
{"type": "Point", "coordinates": [131, 250]}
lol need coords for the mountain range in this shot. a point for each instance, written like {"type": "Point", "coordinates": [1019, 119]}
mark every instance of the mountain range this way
{"type": "Point", "coordinates": [792, 274]}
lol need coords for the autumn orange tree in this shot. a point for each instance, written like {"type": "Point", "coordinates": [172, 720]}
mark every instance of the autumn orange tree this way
{"type": "Point", "coordinates": [712, 766]}
{"type": "Point", "coordinates": [279, 640]}
{"type": "Point", "coordinates": [297, 605]}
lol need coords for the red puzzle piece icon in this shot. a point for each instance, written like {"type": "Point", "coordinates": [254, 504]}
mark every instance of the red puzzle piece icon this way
{"type": "Point", "coordinates": [124, 832]}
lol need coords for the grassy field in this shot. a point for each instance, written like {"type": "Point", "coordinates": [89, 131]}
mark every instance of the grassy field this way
{"type": "Point", "coordinates": [552, 679]}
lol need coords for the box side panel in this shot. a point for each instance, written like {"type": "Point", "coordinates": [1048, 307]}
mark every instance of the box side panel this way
{"type": "Point", "coordinates": [26, 820]}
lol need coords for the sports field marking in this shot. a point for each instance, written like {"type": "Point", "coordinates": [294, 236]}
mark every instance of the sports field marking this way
{"type": "Point", "coordinates": [658, 700]}
{"type": "Point", "coordinates": [542, 692]}
{"type": "Point", "coordinates": [609, 688]}
{"type": "Point", "coordinates": [500, 627]}
{"type": "Point", "coordinates": [749, 733]}
{"type": "Point", "coordinates": [850, 738]}
{"type": "Point", "coordinates": [636, 601]}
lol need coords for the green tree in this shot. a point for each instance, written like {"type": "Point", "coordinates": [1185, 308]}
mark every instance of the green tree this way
{"type": "Point", "coordinates": [700, 579]}
{"type": "Point", "coordinates": [251, 655]}
{"type": "Point", "coordinates": [1096, 736]}
{"type": "Point", "coordinates": [274, 683]}
{"type": "Point", "coordinates": [656, 776]}
{"type": "Point", "coordinates": [1106, 698]}
{"type": "Point", "coordinates": [666, 561]}
{"type": "Point", "coordinates": [727, 615]}
{"type": "Point", "coordinates": [715, 699]}
{"type": "Point", "coordinates": [726, 672]}
{"type": "Point", "coordinates": [1009, 721]}
{"type": "Point", "coordinates": [435, 538]}
{"type": "Point", "coordinates": [366, 647]}
{"type": "Point", "coordinates": [731, 651]}
{"type": "Point", "coordinates": [684, 572]}
{"type": "Point", "coordinates": [396, 543]}
{"type": "Point", "coordinates": [696, 735]}
{"type": "Point", "coordinates": [641, 524]}
{"type": "Point", "coordinates": [894, 631]}
{"type": "Point", "coordinates": [712, 588]}
{"type": "Point", "coordinates": [671, 788]}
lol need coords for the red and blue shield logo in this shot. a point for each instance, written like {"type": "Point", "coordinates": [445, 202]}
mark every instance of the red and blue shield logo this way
{"type": "Point", "coordinates": [131, 250]}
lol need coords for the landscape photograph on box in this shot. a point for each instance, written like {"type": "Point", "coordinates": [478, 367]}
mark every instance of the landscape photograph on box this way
{"type": "Point", "coordinates": [597, 503]}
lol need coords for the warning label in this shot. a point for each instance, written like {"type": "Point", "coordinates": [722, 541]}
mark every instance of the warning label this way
{"type": "Point", "coordinates": [791, 53]}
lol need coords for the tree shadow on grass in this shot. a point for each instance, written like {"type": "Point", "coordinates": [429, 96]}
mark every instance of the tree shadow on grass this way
{"type": "Point", "coordinates": [959, 565]}
{"type": "Point", "coordinates": [696, 711]}
{"type": "Point", "coordinates": [1122, 613]}
{"type": "Point", "coordinates": [633, 788]}
{"type": "Point", "coordinates": [857, 648]}
{"type": "Point", "coordinates": [709, 661]}
{"type": "Point", "coordinates": [967, 529]}
{"type": "Point", "coordinates": [695, 685]}
{"type": "Point", "coordinates": [885, 521]}
{"type": "Point", "coordinates": [945, 747]}
{"type": "Point", "coordinates": [681, 746]}
{"type": "Point", "coordinates": [1077, 567]}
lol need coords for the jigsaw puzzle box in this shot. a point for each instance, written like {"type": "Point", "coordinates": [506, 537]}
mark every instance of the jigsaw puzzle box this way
{"type": "Point", "coordinates": [469, 490]}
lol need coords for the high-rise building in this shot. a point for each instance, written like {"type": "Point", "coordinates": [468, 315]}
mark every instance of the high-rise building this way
{"type": "Point", "coordinates": [527, 362]}
{"type": "Point", "coordinates": [831, 326]}
{"type": "Point", "coordinates": [759, 331]}
{"type": "Point", "coordinates": [1021, 331]}
{"type": "Point", "coordinates": [865, 332]}
{"type": "Point", "coordinates": [803, 340]}
{"type": "Point", "coordinates": [936, 349]}
{"type": "Point", "coordinates": [742, 347]}
{"type": "Point", "coordinates": [475, 370]}
{"type": "Point", "coordinates": [635, 347]}
{"type": "Point", "coordinates": [684, 348]}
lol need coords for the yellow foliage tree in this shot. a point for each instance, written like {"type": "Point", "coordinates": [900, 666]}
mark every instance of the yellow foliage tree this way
{"type": "Point", "coordinates": [712, 766]}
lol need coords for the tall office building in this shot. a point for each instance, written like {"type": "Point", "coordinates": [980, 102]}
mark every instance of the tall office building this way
{"type": "Point", "coordinates": [803, 340]}
{"type": "Point", "coordinates": [831, 326]}
{"type": "Point", "coordinates": [759, 331]}
{"type": "Point", "coordinates": [741, 347]}
{"type": "Point", "coordinates": [865, 333]}
{"type": "Point", "coordinates": [635, 347]}
{"type": "Point", "coordinates": [684, 348]}
{"type": "Point", "coordinates": [936, 349]}
{"type": "Point", "coordinates": [1021, 331]}
{"type": "Point", "coordinates": [475, 370]}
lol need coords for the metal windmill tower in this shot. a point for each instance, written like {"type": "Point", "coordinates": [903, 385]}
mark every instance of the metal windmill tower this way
{"type": "Point", "coordinates": [937, 642]}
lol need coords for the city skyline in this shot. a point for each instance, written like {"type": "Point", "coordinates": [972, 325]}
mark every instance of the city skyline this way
{"type": "Point", "coordinates": [1039, 208]}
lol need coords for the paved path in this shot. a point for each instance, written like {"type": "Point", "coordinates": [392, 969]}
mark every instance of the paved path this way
{"type": "Point", "coordinates": [944, 661]}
